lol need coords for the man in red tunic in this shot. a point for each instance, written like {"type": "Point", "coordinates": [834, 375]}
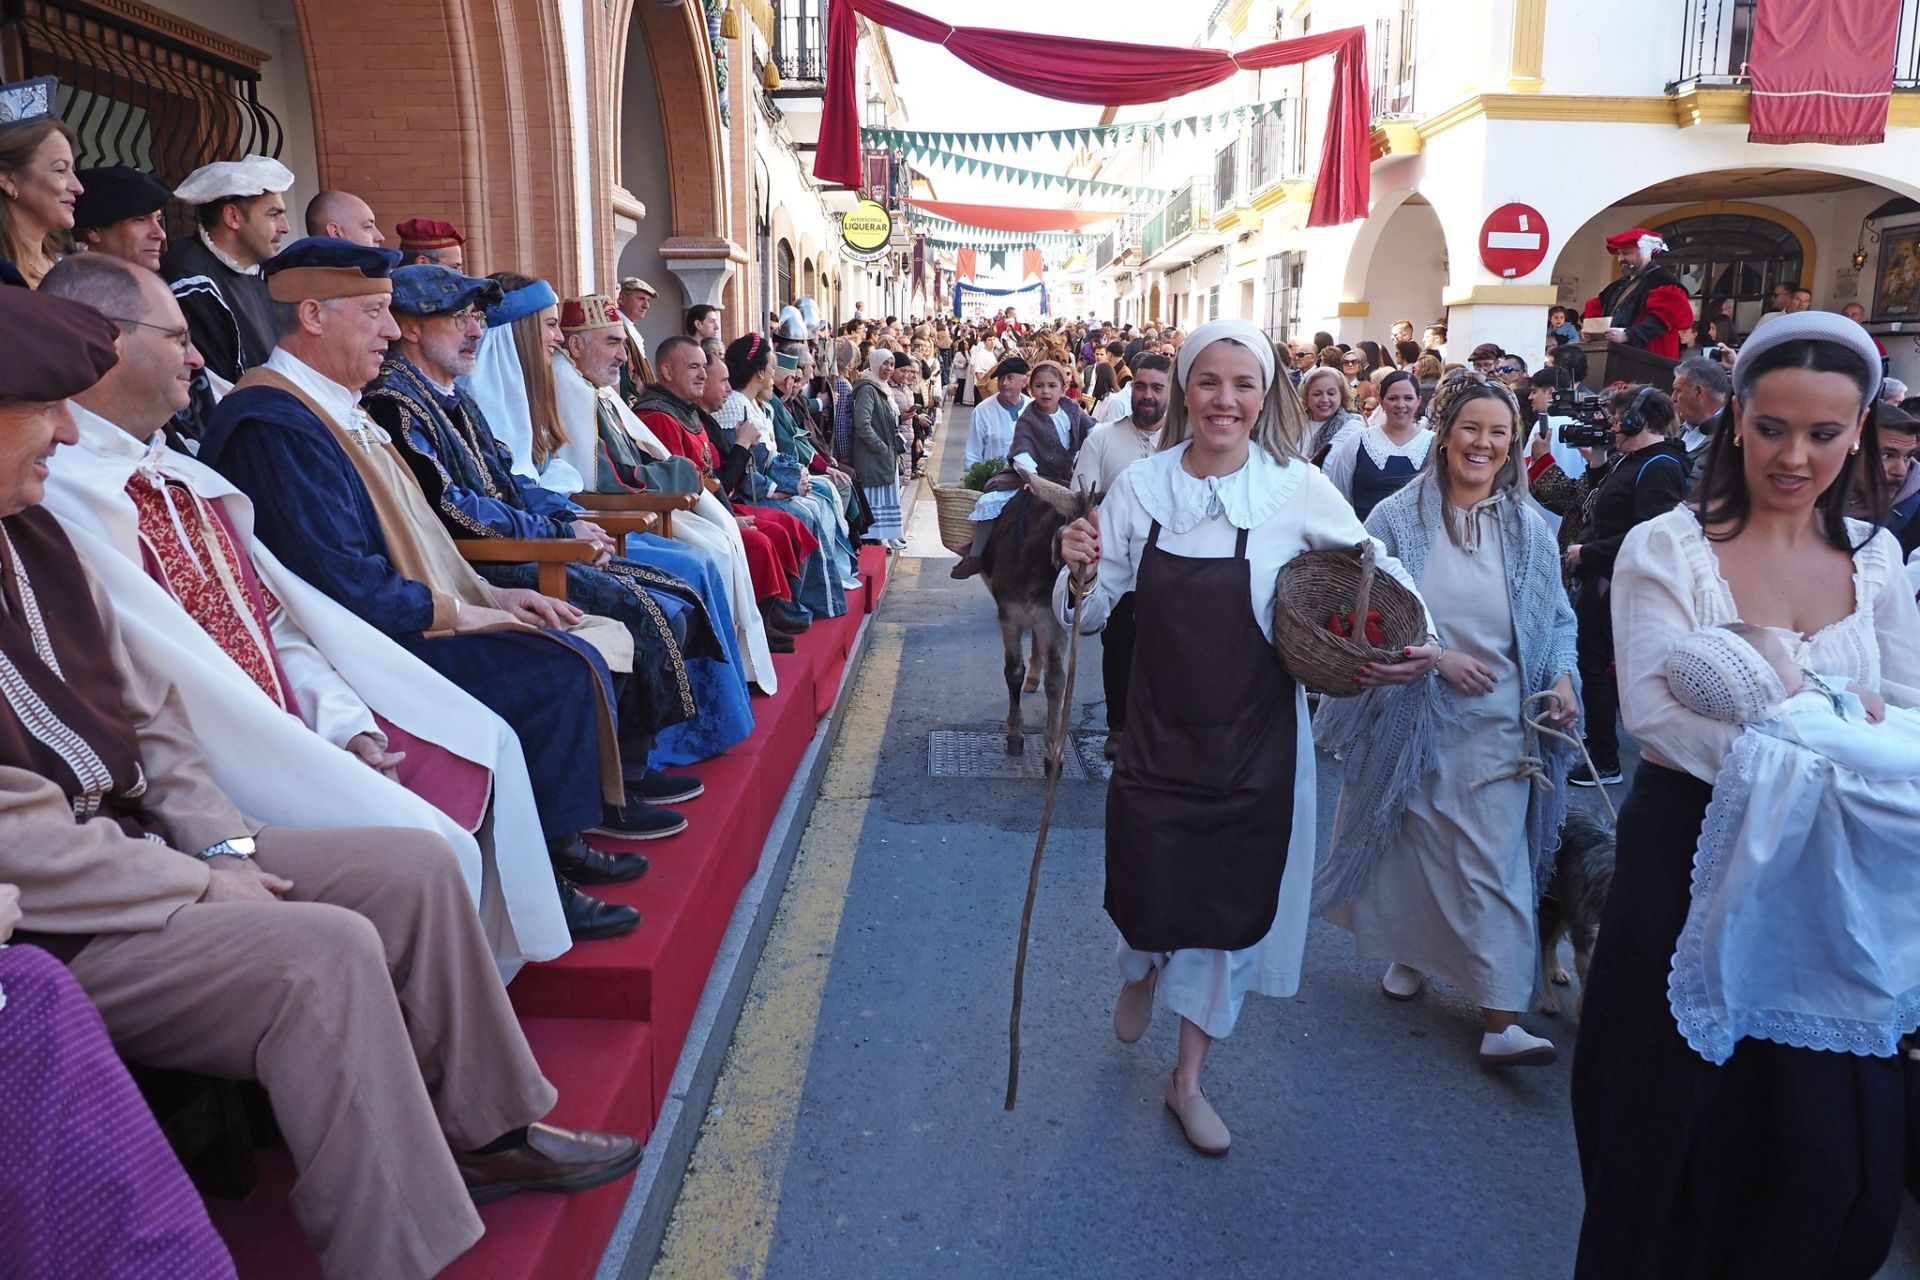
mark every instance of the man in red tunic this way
{"type": "Point", "coordinates": [1648, 305]}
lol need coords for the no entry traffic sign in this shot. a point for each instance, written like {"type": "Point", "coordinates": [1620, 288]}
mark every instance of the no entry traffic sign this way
{"type": "Point", "coordinates": [1513, 240]}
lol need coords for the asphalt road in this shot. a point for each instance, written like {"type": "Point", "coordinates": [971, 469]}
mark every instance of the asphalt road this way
{"type": "Point", "coordinates": [858, 1131]}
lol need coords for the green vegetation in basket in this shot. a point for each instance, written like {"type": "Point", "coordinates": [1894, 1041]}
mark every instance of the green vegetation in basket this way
{"type": "Point", "coordinates": [982, 471]}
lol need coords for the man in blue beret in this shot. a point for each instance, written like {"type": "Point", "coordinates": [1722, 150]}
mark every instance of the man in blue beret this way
{"type": "Point", "coordinates": [337, 504]}
{"type": "Point", "coordinates": [467, 476]}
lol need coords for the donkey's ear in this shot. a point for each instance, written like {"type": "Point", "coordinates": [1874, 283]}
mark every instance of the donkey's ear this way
{"type": "Point", "coordinates": [1059, 497]}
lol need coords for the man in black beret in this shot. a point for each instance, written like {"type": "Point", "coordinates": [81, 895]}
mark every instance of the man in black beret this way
{"type": "Point", "coordinates": [122, 213]}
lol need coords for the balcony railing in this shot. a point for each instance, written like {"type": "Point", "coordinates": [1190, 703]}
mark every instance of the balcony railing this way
{"type": "Point", "coordinates": [1394, 62]}
{"type": "Point", "coordinates": [1227, 176]}
{"type": "Point", "coordinates": [1717, 39]}
{"type": "Point", "coordinates": [1188, 211]}
{"type": "Point", "coordinates": [1103, 250]}
{"type": "Point", "coordinates": [1154, 238]}
{"type": "Point", "coordinates": [800, 41]}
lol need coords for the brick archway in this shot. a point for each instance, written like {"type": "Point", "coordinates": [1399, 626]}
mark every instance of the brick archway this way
{"type": "Point", "coordinates": [497, 159]}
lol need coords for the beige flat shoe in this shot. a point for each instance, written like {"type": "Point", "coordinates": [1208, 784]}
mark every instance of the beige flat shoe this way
{"type": "Point", "coordinates": [1205, 1131]}
{"type": "Point", "coordinates": [1133, 1011]}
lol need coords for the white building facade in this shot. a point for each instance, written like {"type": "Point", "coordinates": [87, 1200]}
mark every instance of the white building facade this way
{"type": "Point", "coordinates": [1600, 120]}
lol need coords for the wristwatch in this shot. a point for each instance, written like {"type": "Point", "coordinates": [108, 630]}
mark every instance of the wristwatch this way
{"type": "Point", "coordinates": [240, 847]}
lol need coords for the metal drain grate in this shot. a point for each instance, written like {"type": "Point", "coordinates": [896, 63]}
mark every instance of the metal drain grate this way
{"type": "Point", "coordinates": [962, 753]}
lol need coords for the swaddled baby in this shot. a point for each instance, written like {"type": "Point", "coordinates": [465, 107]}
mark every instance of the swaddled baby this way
{"type": "Point", "coordinates": [1743, 674]}
{"type": "Point", "coordinates": [1804, 924]}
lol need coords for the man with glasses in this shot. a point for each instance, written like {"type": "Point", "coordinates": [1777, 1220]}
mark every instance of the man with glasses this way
{"type": "Point", "coordinates": [1511, 371]}
{"type": "Point", "coordinates": [467, 477]}
{"type": "Point", "coordinates": [1485, 357]}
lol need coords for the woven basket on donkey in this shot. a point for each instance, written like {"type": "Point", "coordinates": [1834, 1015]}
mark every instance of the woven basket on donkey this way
{"type": "Point", "coordinates": [955, 504]}
{"type": "Point", "coordinates": [1316, 584]}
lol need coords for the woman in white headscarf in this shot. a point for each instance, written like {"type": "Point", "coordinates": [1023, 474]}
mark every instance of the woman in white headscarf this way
{"type": "Point", "coordinates": [1210, 815]}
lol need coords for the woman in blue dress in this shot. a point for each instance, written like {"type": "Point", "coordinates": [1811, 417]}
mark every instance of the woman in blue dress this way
{"type": "Point", "coordinates": [1369, 465]}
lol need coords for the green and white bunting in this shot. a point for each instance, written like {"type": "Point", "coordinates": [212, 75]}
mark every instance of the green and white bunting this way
{"type": "Point", "coordinates": [1088, 135]}
{"type": "Point", "coordinates": [977, 167]}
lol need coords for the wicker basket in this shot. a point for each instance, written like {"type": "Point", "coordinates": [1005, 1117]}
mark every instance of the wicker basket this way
{"type": "Point", "coordinates": [1315, 584]}
{"type": "Point", "coordinates": [955, 504]}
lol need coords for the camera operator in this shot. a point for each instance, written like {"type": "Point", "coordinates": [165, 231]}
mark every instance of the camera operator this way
{"type": "Point", "coordinates": [1701, 385]}
{"type": "Point", "coordinates": [1649, 479]}
{"type": "Point", "coordinates": [1563, 476]}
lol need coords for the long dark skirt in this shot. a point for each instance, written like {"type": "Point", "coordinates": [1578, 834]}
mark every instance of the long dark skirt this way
{"type": "Point", "coordinates": [1781, 1162]}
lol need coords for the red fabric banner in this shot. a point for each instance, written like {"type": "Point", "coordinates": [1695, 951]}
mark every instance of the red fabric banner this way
{"type": "Point", "coordinates": [1109, 73]}
{"type": "Point", "coordinates": [1822, 70]}
{"type": "Point", "coordinates": [1033, 266]}
{"type": "Point", "coordinates": [999, 217]}
{"type": "Point", "coordinates": [965, 264]}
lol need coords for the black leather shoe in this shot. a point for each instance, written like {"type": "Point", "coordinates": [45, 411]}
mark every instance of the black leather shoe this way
{"type": "Point", "coordinates": [786, 625]}
{"type": "Point", "coordinates": [638, 820]}
{"type": "Point", "coordinates": [659, 788]}
{"type": "Point", "coordinates": [584, 865]}
{"type": "Point", "coordinates": [589, 919]}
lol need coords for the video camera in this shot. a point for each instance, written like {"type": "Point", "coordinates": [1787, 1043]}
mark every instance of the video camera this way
{"type": "Point", "coordinates": [1590, 428]}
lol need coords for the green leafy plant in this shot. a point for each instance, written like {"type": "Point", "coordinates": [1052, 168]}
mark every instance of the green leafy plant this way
{"type": "Point", "coordinates": [982, 471]}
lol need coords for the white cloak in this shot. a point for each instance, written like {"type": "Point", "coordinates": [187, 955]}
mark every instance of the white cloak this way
{"type": "Point", "coordinates": [340, 667]}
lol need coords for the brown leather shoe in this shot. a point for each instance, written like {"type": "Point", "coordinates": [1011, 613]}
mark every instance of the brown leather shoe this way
{"type": "Point", "coordinates": [968, 566]}
{"type": "Point", "coordinates": [552, 1159]}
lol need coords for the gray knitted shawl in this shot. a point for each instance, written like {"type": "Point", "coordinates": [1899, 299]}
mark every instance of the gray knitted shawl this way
{"type": "Point", "coordinates": [1387, 738]}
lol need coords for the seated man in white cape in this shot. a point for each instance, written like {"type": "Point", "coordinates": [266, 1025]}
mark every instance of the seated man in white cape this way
{"type": "Point", "coordinates": [588, 396]}
{"type": "Point", "coordinates": [319, 720]}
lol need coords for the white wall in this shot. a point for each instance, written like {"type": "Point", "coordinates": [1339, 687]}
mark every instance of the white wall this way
{"type": "Point", "coordinates": [269, 26]}
{"type": "Point", "coordinates": [1406, 278]}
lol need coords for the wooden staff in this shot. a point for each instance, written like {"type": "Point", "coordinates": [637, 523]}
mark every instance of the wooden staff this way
{"type": "Point", "coordinates": [1056, 745]}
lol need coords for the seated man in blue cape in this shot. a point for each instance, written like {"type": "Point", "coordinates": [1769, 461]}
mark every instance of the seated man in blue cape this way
{"type": "Point", "coordinates": [335, 502]}
{"type": "Point", "coordinates": [467, 477]}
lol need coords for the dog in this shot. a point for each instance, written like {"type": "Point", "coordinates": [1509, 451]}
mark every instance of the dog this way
{"type": "Point", "coordinates": [1572, 902]}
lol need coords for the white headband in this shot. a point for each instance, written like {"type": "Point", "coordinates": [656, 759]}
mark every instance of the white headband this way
{"type": "Point", "coordinates": [1244, 332]}
{"type": "Point", "coordinates": [1803, 326]}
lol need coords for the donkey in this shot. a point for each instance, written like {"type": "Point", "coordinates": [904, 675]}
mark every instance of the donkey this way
{"type": "Point", "coordinates": [1021, 561]}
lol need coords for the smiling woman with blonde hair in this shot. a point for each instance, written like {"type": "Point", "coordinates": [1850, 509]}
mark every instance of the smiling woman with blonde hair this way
{"type": "Point", "coordinates": [1210, 815]}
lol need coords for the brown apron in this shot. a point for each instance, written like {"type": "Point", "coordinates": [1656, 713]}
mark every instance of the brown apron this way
{"type": "Point", "coordinates": [1200, 810]}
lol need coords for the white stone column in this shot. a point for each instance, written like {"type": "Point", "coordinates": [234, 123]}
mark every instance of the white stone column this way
{"type": "Point", "coordinates": [702, 265]}
{"type": "Point", "coordinates": [1512, 315]}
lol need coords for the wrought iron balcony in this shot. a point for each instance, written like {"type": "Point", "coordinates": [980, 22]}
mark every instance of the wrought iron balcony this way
{"type": "Point", "coordinates": [1394, 62]}
{"type": "Point", "coordinates": [1716, 39]}
{"type": "Point", "coordinates": [800, 41]}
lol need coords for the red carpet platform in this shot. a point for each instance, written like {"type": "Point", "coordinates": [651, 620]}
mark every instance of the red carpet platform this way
{"type": "Point", "coordinates": [608, 1019]}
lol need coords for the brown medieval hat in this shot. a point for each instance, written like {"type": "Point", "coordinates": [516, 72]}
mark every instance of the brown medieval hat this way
{"type": "Point", "coordinates": [55, 347]}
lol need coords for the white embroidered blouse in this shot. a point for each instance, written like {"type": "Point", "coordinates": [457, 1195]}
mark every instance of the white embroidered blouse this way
{"type": "Point", "coordinates": [1344, 454]}
{"type": "Point", "coordinates": [1667, 585]}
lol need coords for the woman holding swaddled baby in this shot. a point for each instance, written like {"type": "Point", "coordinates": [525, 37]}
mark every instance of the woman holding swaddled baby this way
{"type": "Point", "coordinates": [1740, 1112]}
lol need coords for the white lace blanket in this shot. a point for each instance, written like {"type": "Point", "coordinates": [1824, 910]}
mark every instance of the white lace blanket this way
{"type": "Point", "coordinates": [1805, 923]}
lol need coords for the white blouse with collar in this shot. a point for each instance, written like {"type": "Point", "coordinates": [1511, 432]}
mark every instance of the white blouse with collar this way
{"type": "Point", "coordinates": [1287, 509]}
{"type": "Point", "coordinates": [1344, 455]}
{"type": "Point", "coordinates": [1667, 584]}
